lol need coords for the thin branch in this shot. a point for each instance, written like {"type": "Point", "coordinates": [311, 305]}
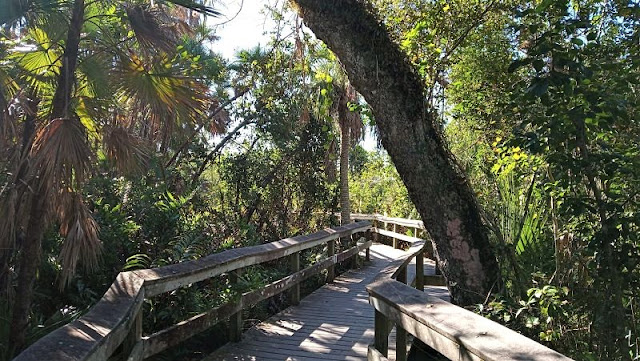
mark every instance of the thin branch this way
{"type": "Point", "coordinates": [219, 146]}
{"type": "Point", "coordinates": [199, 128]}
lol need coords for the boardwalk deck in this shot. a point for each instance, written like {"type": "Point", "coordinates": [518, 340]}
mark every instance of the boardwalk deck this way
{"type": "Point", "coordinates": [333, 323]}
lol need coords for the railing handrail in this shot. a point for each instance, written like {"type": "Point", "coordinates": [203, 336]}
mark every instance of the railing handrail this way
{"type": "Point", "coordinates": [116, 317]}
{"type": "Point", "coordinates": [455, 332]}
{"type": "Point", "coordinates": [404, 222]}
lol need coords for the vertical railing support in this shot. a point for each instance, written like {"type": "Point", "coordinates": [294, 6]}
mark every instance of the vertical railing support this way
{"type": "Point", "coordinates": [133, 337]}
{"type": "Point", "coordinates": [235, 321]}
{"type": "Point", "coordinates": [376, 236]}
{"type": "Point", "coordinates": [401, 343]}
{"type": "Point", "coordinates": [294, 265]}
{"type": "Point", "coordinates": [420, 270]}
{"type": "Point", "coordinates": [401, 334]}
{"type": "Point", "coordinates": [331, 270]}
{"type": "Point", "coordinates": [369, 236]}
{"type": "Point", "coordinates": [381, 337]}
{"type": "Point", "coordinates": [395, 241]}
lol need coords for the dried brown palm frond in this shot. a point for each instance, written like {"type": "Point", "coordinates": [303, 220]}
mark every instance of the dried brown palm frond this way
{"type": "Point", "coordinates": [128, 152]}
{"type": "Point", "coordinates": [61, 154]}
{"type": "Point", "coordinates": [154, 28]}
{"type": "Point", "coordinates": [8, 220]}
{"type": "Point", "coordinates": [81, 244]}
{"type": "Point", "coordinates": [220, 118]}
{"type": "Point", "coordinates": [305, 116]}
{"type": "Point", "coordinates": [347, 118]}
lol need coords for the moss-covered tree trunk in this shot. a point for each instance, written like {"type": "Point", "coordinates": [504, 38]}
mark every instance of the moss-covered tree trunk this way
{"type": "Point", "coordinates": [345, 203]}
{"type": "Point", "coordinates": [380, 72]}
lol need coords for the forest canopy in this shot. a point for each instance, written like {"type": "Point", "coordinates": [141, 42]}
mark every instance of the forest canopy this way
{"type": "Point", "coordinates": [127, 141]}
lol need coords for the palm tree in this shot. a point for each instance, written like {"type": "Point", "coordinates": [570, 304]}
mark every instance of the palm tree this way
{"type": "Point", "coordinates": [83, 77]}
{"type": "Point", "coordinates": [350, 124]}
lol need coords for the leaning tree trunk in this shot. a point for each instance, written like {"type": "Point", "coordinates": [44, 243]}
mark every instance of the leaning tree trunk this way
{"type": "Point", "coordinates": [30, 250]}
{"type": "Point", "coordinates": [381, 73]}
{"type": "Point", "coordinates": [345, 206]}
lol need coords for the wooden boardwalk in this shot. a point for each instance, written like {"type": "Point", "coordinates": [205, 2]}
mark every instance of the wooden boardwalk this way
{"type": "Point", "coordinates": [333, 323]}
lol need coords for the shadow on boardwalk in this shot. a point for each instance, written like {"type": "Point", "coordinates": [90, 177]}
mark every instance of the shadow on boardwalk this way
{"type": "Point", "coordinates": [333, 323]}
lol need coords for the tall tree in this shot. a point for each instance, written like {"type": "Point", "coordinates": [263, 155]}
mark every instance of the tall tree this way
{"type": "Point", "coordinates": [72, 101]}
{"type": "Point", "coordinates": [350, 124]}
{"type": "Point", "coordinates": [409, 132]}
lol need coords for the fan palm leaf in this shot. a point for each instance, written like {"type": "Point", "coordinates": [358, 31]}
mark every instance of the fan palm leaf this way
{"type": "Point", "coordinates": [127, 151]}
{"type": "Point", "coordinates": [61, 153]}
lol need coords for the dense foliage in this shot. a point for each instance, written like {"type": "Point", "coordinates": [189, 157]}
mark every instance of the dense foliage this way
{"type": "Point", "coordinates": [154, 150]}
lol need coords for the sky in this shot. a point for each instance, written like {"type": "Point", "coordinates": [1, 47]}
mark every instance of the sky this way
{"type": "Point", "coordinates": [241, 26]}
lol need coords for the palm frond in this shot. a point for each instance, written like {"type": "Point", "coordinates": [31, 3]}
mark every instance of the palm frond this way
{"type": "Point", "coordinates": [352, 120]}
{"type": "Point", "coordinates": [61, 153]}
{"type": "Point", "coordinates": [160, 98]}
{"type": "Point", "coordinates": [192, 5]}
{"type": "Point", "coordinates": [153, 28]}
{"type": "Point", "coordinates": [8, 227]}
{"type": "Point", "coordinates": [127, 151]}
{"type": "Point", "coordinates": [81, 243]}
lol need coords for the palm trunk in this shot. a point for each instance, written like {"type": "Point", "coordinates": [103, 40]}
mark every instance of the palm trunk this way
{"type": "Point", "coordinates": [345, 205]}
{"type": "Point", "coordinates": [28, 267]}
{"type": "Point", "coordinates": [30, 250]}
{"type": "Point", "coordinates": [66, 79]}
{"type": "Point", "coordinates": [409, 132]}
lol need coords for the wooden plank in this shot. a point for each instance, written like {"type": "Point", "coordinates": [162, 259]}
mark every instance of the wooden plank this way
{"type": "Point", "coordinates": [420, 271]}
{"type": "Point", "coordinates": [294, 267]}
{"type": "Point", "coordinates": [381, 340]}
{"type": "Point", "coordinates": [235, 320]}
{"type": "Point", "coordinates": [183, 330]}
{"type": "Point", "coordinates": [96, 335]}
{"type": "Point", "coordinates": [103, 329]}
{"type": "Point", "coordinates": [333, 323]}
{"type": "Point", "coordinates": [453, 331]}
{"type": "Point", "coordinates": [410, 223]}
{"type": "Point", "coordinates": [169, 278]}
{"type": "Point", "coordinates": [394, 235]}
{"type": "Point", "coordinates": [134, 337]}
{"type": "Point", "coordinates": [401, 343]}
{"type": "Point", "coordinates": [172, 336]}
{"type": "Point", "coordinates": [331, 250]}
{"type": "Point", "coordinates": [375, 355]}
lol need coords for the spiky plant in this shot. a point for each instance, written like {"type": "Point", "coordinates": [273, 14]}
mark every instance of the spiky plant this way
{"type": "Point", "coordinates": [80, 78]}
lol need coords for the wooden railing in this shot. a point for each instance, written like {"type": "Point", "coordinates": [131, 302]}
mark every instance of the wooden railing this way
{"type": "Point", "coordinates": [454, 332]}
{"type": "Point", "coordinates": [115, 322]}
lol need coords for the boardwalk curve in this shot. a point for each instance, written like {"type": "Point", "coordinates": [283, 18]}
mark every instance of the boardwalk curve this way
{"type": "Point", "coordinates": [333, 323]}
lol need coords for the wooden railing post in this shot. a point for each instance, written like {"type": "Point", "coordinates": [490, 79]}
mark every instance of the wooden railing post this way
{"type": "Point", "coordinates": [395, 240]}
{"type": "Point", "coordinates": [369, 235]}
{"type": "Point", "coordinates": [401, 334]}
{"type": "Point", "coordinates": [294, 265]}
{"type": "Point", "coordinates": [381, 337]}
{"type": "Point", "coordinates": [133, 337]}
{"type": "Point", "coordinates": [376, 236]}
{"type": "Point", "coordinates": [420, 270]}
{"type": "Point", "coordinates": [235, 321]}
{"type": "Point", "coordinates": [331, 250]}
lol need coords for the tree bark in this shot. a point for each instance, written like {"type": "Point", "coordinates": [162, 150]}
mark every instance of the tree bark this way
{"type": "Point", "coordinates": [31, 248]}
{"type": "Point", "coordinates": [29, 263]}
{"type": "Point", "coordinates": [345, 206]}
{"type": "Point", "coordinates": [381, 73]}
